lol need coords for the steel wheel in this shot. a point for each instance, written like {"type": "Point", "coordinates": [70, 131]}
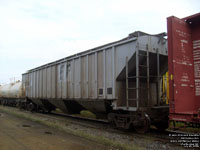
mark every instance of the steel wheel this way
{"type": "Point", "coordinates": [144, 125]}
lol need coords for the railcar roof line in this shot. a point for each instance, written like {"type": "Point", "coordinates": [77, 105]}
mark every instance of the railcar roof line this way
{"type": "Point", "coordinates": [131, 37]}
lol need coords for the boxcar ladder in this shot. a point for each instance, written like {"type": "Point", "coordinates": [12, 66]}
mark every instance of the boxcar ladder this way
{"type": "Point", "coordinates": [138, 77]}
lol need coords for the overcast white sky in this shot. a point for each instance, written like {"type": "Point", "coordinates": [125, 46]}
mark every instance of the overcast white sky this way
{"type": "Point", "coordinates": [35, 32]}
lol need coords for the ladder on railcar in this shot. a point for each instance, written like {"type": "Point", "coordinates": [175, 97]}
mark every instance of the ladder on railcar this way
{"type": "Point", "coordinates": [137, 87]}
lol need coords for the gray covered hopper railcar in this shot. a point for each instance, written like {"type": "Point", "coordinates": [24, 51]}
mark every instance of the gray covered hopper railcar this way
{"type": "Point", "coordinates": [123, 77]}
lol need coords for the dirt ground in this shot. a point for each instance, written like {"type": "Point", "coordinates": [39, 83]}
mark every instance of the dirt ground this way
{"type": "Point", "coordinates": [21, 134]}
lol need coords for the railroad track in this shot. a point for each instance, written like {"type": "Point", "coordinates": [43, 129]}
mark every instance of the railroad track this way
{"type": "Point", "coordinates": [154, 134]}
{"type": "Point", "coordinates": [74, 119]}
{"type": "Point", "coordinates": [107, 123]}
{"type": "Point", "coordinates": [101, 121]}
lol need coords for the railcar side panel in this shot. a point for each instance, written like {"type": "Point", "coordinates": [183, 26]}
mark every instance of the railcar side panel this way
{"type": "Point", "coordinates": [49, 82]}
{"type": "Point", "coordinates": [109, 74]}
{"type": "Point", "coordinates": [100, 75]}
{"type": "Point", "coordinates": [121, 52]}
{"type": "Point", "coordinates": [64, 83]}
{"type": "Point", "coordinates": [59, 80]}
{"type": "Point", "coordinates": [92, 91]}
{"type": "Point", "coordinates": [77, 78]}
{"type": "Point", "coordinates": [53, 82]}
{"type": "Point", "coordinates": [32, 85]}
{"type": "Point", "coordinates": [37, 83]}
{"type": "Point", "coordinates": [84, 77]}
{"type": "Point", "coordinates": [44, 82]}
{"type": "Point", "coordinates": [70, 69]}
{"type": "Point", "coordinates": [40, 83]}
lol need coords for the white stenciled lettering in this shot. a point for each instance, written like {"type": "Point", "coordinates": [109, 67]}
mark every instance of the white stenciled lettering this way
{"type": "Point", "coordinates": [196, 58]}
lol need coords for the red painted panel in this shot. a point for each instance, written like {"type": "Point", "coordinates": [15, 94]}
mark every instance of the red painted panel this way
{"type": "Point", "coordinates": [184, 64]}
{"type": "Point", "coordinates": [196, 57]}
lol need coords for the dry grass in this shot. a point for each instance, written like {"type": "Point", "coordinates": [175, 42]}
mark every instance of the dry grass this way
{"type": "Point", "coordinates": [180, 126]}
{"type": "Point", "coordinates": [87, 114]}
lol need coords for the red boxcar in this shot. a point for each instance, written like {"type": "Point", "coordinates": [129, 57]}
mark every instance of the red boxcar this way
{"type": "Point", "coordinates": [184, 68]}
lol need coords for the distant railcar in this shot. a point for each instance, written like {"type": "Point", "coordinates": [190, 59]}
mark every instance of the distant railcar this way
{"type": "Point", "coordinates": [11, 94]}
{"type": "Point", "coordinates": [120, 79]}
